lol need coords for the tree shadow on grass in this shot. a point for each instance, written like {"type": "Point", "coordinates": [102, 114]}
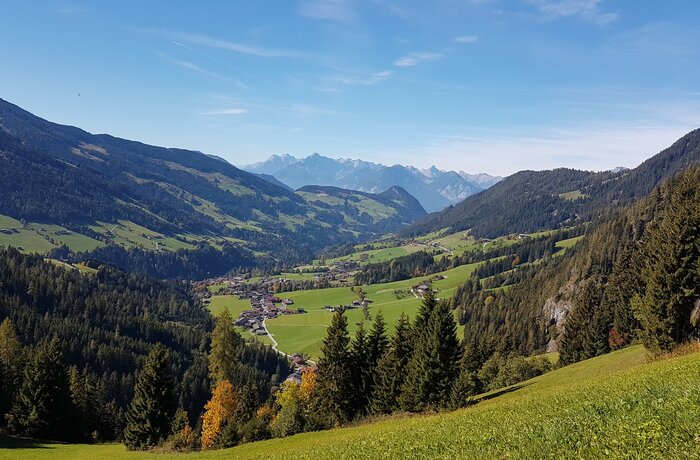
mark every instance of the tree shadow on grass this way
{"type": "Point", "coordinates": [498, 393]}
{"type": "Point", "coordinates": [11, 442]}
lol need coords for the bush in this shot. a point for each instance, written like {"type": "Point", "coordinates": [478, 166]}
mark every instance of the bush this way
{"type": "Point", "coordinates": [499, 371]}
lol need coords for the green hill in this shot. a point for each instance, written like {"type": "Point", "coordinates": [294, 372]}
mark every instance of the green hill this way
{"type": "Point", "coordinates": [613, 406]}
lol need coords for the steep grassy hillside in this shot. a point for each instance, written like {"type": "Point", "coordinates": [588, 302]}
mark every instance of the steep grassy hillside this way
{"type": "Point", "coordinates": [613, 406]}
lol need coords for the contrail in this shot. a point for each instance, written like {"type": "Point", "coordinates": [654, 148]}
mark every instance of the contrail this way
{"type": "Point", "coordinates": [226, 64]}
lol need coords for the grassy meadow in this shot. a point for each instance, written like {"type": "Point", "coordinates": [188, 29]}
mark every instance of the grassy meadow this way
{"type": "Point", "coordinates": [374, 255]}
{"type": "Point", "coordinates": [304, 333]}
{"type": "Point", "coordinates": [613, 406]}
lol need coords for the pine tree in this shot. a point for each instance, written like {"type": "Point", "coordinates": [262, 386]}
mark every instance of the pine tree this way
{"type": "Point", "coordinates": [360, 371]}
{"type": "Point", "coordinates": [333, 389]}
{"type": "Point", "coordinates": [427, 306]}
{"type": "Point", "coordinates": [475, 352]}
{"type": "Point", "coordinates": [434, 365]}
{"type": "Point", "coordinates": [95, 421]}
{"type": "Point", "coordinates": [226, 349]}
{"type": "Point", "coordinates": [670, 256]}
{"type": "Point", "coordinates": [391, 369]}
{"type": "Point", "coordinates": [43, 407]}
{"type": "Point", "coordinates": [377, 344]}
{"type": "Point", "coordinates": [467, 383]}
{"type": "Point", "coordinates": [408, 400]}
{"type": "Point", "coordinates": [247, 405]}
{"type": "Point", "coordinates": [377, 340]}
{"type": "Point", "coordinates": [150, 413]}
{"type": "Point", "coordinates": [11, 365]}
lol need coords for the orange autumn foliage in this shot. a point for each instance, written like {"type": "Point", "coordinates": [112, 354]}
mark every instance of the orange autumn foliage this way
{"type": "Point", "coordinates": [308, 382]}
{"type": "Point", "coordinates": [218, 411]}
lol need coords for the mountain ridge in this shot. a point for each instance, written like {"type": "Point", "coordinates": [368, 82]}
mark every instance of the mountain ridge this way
{"type": "Point", "coordinates": [530, 201]}
{"type": "Point", "coordinates": [434, 188]}
{"type": "Point", "coordinates": [117, 191]}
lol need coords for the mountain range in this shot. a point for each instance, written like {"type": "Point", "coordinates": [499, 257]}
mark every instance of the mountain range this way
{"type": "Point", "coordinates": [435, 189]}
{"type": "Point", "coordinates": [64, 187]}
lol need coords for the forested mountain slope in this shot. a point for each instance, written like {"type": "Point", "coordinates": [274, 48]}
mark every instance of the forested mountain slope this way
{"type": "Point", "coordinates": [109, 190]}
{"type": "Point", "coordinates": [529, 201]}
{"type": "Point", "coordinates": [107, 322]}
{"type": "Point", "coordinates": [380, 212]}
{"type": "Point", "coordinates": [635, 276]}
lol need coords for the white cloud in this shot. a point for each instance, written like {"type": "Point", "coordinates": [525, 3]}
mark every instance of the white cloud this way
{"type": "Point", "coordinates": [332, 10]}
{"type": "Point", "coordinates": [416, 58]}
{"type": "Point", "coordinates": [466, 39]}
{"type": "Point", "coordinates": [194, 67]}
{"type": "Point", "coordinates": [587, 9]}
{"type": "Point", "coordinates": [362, 79]}
{"type": "Point", "coordinates": [231, 111]}
{"type": "Point", "coordinates": [582, 148]}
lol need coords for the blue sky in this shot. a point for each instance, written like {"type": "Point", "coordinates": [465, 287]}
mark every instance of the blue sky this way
{"type": "Point", "coordinates": [477, 85]}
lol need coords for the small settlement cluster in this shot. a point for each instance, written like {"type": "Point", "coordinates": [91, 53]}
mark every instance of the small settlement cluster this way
{"type": "Point", "coordinates": [264, 304]}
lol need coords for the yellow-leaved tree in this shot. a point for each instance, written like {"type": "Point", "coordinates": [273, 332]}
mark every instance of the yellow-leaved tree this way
{"type": "Point", "coordinates": [218, 411]}
{"type": "Point", "coordinates": [308, 382]}
{"type": "Point", "coordinates": [293, 401]}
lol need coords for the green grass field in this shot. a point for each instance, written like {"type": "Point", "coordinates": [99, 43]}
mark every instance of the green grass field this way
{"type": "Point", "coordinates": [25, 239]}
{"type": "Point", "coordinates": [613, 406]}
{"type": "Point", "coordinates": [571, 242]}
{"type": "Point", "coordinates": [231, 302]}
{"type": "Point", "coordinates": [41, 238]}
{"type": "Point", "coordinates": [129, 235]}
{"type": "Point", "coordinates": [304, 333]}
{"type": "Point", "coordinates": [374, 256]}
{"type": "Point", "coordinates": [572, 195]}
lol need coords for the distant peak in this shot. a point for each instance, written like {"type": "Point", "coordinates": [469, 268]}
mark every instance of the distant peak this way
{"type": "Point", "coordinates": [619, 169]}
{"type": "Point", "coordinates": [432, 172]}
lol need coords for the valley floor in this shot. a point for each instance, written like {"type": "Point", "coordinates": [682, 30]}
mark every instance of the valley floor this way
{"type": "Point", "coordinates": [613, 406]}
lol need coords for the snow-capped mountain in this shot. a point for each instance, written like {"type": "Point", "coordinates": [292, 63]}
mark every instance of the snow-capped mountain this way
{"type": "Point", "coordinates": [482, 180]}
{"type": "Point", "coordinates": [434, 188]}
{"type": "Point", "coordinates": [271, 165]}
